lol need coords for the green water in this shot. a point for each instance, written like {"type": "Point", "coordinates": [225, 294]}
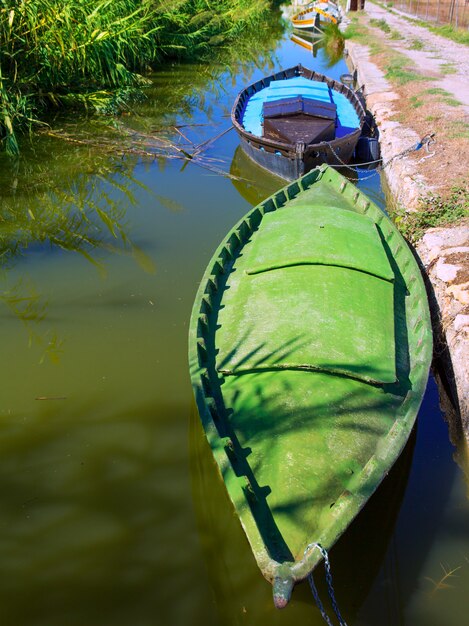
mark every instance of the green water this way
{"type": "Point", "coordinates": [111, 512]}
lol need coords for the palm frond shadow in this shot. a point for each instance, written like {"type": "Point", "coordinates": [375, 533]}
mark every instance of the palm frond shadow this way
{"type": "Point", "coordinates": [264, 400]}
{"type": "Point", "coordinates": [256, 413]}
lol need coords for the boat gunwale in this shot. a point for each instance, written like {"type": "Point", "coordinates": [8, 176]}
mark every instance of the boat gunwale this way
{"type": "Point", "coordinates": [206, 383]}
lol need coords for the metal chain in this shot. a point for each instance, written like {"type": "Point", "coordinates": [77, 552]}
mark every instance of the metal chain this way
{"type": "Point", "coordinates": [426, 141]}
{"type": "Point", "coordinates": [337, 156]}
{"type": "Point", "coordinates": [330, 587]}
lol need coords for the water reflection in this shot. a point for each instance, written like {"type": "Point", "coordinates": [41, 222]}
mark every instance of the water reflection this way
{"type": "Point", "coordinates": [92, 515]}
{"type": "Point", "coordinates": [255, 183]}
{"type": "Point", "coordinates": [43, 211]}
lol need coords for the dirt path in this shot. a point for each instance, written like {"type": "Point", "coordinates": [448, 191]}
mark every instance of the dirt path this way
{"type": "Point", "coordinates": [424, 79]}
{"type": "Point", "coordinates": [445, 62]}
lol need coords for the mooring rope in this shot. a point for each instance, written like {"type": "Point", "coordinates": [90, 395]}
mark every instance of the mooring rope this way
{"type": "Point", "coordinates": [330, 587]}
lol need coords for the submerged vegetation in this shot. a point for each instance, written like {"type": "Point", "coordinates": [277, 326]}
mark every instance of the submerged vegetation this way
{"type": "Point", "coordinates": [93, 55]}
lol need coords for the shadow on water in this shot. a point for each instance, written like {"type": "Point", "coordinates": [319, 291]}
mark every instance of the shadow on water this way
{"type": "Point", "coordinates": [253, 183]}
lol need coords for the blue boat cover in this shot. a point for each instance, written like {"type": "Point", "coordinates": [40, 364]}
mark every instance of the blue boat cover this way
{"type": "Point", "coordinates": [347, 118]}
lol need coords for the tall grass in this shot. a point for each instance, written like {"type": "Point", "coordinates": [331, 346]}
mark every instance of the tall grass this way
{"type": "Point", "coordinates": [93, 54]}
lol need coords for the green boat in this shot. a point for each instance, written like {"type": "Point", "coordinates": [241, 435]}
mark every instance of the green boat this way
{"type": "Point", "coordinates": [310, 345]}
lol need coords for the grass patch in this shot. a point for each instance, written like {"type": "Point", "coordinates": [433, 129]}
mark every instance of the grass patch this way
{"type": "Point", "coordinates": [448, 68]}
{"type": "Point", "coordinates": [437, 91]}
{"type": "Point", "coordinates": [415, 102]}
{"type": "Point", "coordinates": [416, 45]}
{"type": "Point", "coordinates": [397, 71]}
{"type": "Point", "coordinates": [375, 48]}
{"type": "Point", "coordinates": [460, 35]}
{"type": "Point", "coordinates": [458, 130]}
{"type": "Point", "coordinates": [435, 211]}
{"type": "Point", "coordinates": [382, 24]}
{"type": "Point", "coordinates": [396, 34]}
{"type": "Point", "coordinates": [357, 32]}
{"type": "Point", "coordinates": [452, 102]}
{"type": "Point", "coordinates": [445, 96]}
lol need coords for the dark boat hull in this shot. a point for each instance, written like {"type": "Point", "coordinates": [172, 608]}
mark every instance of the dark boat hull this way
{"type": "Point", "coordinates": [290, 164]}
{"type": "Point", "coordinates": [288, 160]}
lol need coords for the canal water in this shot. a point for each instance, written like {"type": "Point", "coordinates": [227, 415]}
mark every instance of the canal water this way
{"type": "Point", "coordinates": [111, 509]}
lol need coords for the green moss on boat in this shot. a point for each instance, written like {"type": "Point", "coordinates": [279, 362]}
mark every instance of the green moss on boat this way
{"type": "Point", "coordinates": [310, 346]}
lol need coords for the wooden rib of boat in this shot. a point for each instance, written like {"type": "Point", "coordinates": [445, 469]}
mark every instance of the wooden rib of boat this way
{"type": "Point", "coordinates": [294, 154]}
{"type": "Point", "coordinates": [309, 349]}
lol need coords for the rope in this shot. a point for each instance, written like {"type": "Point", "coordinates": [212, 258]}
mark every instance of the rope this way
{"type": "Point", "coordinates": [330, 587]}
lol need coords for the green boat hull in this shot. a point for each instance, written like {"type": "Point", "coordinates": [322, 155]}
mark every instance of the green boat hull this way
{"type": "Point", "coordinates": [309, 349]}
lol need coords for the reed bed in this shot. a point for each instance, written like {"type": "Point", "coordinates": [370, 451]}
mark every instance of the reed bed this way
{"type": "Point", "coordinates": [94, 55]}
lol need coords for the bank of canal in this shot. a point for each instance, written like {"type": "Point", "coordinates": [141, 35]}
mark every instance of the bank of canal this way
{"type": "Point", "coordinates": [415, 84]}
{"type": "Point", "coordinates": [111, 510]}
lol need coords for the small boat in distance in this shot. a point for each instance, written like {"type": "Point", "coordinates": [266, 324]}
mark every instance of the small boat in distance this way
{"type": "Point", "coordinates": [309, 350]}
{"type": "Point", "coordinates": [316, 15]}
{"type": "Point", "coordinates": [297, 119]}
{"type": "Point", "coordinates": [308, 21]}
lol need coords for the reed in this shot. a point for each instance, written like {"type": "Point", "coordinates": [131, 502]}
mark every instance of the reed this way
{"type": "Point", "coordinates": [93, 55]}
